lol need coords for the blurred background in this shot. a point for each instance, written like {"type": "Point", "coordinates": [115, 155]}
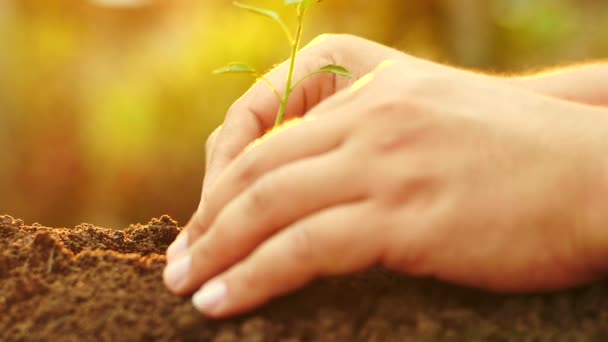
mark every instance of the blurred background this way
{"type": "Point", "coordinates": [105, 105]}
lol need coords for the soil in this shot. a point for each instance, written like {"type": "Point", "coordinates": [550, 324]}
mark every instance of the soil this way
{"type": "Point", "coordinates": [90, 283]}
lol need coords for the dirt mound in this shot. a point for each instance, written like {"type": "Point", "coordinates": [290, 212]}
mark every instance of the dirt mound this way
{"type": "Point", "coordinates": [90, 283]}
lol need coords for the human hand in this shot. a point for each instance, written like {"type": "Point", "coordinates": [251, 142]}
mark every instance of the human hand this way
{"type": "Point", "coordinates": [253, 115]}
{"type": "Point", "coordinates": [445, 174]}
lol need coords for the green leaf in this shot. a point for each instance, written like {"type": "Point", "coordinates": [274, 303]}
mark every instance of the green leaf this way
{"type": "Point", "coordinates": [305, 3]}
{"type": "Point", "coordinates": [331, 68]}
{"type": "Point", "coordinates": [235, 68]}
{"type": "Point", "coordinates": [336, 69]}
{"type": "Point", "coordinates": [260, 11]}
{"type": "Point", "coordinates": [268, 14]}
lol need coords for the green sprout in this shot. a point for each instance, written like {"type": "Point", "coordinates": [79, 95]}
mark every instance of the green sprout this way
{"type": "Point", "coordinates": [301, 7]}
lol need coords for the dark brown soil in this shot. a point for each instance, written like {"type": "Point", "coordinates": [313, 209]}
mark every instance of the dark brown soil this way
{"type": "Point", "coordinates": [91, 283]}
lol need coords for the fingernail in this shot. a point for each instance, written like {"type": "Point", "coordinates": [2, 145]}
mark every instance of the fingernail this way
{"type": "Point", "coordinates": [210, 296]}
{"type": "Point", "coordinates": [175, 273]}
{"type": "Point", "coordinates": [178, 247]}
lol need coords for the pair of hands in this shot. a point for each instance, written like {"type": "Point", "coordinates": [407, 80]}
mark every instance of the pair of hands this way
{"type": "Point", "coordinates": [414, 166]}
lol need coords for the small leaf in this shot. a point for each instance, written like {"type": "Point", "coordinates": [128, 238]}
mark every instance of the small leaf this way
{"type": "Point", "coordinates": [331, 69]}
{"type": "Point", "coordinates": [268, 14]}
{"type": "Point", "coordinates": [235, 68]}
{"type": "Point", "coordinates": [336, 69]}
{"type": "Point", "coordinates": [260, 11]}
{"type": "Point", "coordinates": [305, 3]}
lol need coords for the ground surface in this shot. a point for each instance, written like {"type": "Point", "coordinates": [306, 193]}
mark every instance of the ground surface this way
{"type": "Point", "coordinates": [90, 283]}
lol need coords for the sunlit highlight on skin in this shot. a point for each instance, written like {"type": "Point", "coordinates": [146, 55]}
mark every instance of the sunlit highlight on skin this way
{"type": "Point", "coordinates": [273, 132]}
{"type": "Point", "coordinates": [365, 80]}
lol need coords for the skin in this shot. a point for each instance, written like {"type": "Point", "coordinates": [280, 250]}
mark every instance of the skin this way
{"type": "Point", "coordinates": [492, 182]}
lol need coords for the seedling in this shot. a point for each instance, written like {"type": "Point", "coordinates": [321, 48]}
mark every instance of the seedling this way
{"type": "Point", "coordinates": [301, 7]}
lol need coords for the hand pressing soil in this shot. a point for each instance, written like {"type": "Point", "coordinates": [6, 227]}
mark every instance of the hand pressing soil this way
{"type": "Point", "coordinates": [90, 283]}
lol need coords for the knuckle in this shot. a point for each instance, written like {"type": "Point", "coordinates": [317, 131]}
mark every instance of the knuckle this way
{"type": "Point", "coordinates": [249, 279]}
{"type": "Point", "coordinates": [211, 139]}
{"type": "Point", "coordinates": [249, 168]}
{"type": "Point", "coordinates": [218, 233]}
{"type": "Point", "coordinates": [389, 105]}
{"type": "Point", "coordinates": [222, 234]}
{"type": "Point", "coordinates": [385, 135]}
{"type": "Point", "coordinates": [260, 196]}
{"type": "Point", "coordinates": [301, 245]}
{"type": "Point", "coordinates": [214, 134]}
{"type": "Point", "coordinates": [320, 51]}
{"type": "Point", "coordinates": [233, 109]}
{"type": "Point", "coordinates": [331, 44]}
{"type": "Point", "coordinates": [203, 251]}
{"type": "Point", "coordinates": [417, 192]}
{"type": "Point", "coordinates": [428, 85]}
{"type": "Point", "coordinates": [237, 109]}
{"type": "Point", "coordinates": [196, 226]}
{"type": "Point", "coordinates": [419, 130]}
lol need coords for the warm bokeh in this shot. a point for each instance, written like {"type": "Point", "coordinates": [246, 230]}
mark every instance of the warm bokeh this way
{"type": "Point", "coordinates": [105, 105]}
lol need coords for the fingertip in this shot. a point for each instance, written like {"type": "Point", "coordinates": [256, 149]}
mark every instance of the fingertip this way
{"type": "Point", "coordinates": [178, 248]}
{"type": "Point", "coordinates": [243, 288]}
{"type": "Point", "coordinates": [175, 275]}
{"type": "Point", "coordinates": [211, 298]}
{"type": "Point", "coordinates": [225, 296]}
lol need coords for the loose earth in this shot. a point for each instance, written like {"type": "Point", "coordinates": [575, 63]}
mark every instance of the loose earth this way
{"type": "Point", "coordinates": [90, 283]}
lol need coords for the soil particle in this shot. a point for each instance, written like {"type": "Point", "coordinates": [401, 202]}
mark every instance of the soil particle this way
{"type": "Point", "coordinates": [90, 283]}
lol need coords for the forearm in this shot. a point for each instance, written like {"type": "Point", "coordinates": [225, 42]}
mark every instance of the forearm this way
{"type": "Point", "coordinates": [585, 84]}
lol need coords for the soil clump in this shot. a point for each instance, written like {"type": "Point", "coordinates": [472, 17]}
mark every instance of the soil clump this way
{"type": "Point", "coordinates": [90, 283]}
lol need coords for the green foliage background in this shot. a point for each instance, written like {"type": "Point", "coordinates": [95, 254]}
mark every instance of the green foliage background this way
{"type": "Point", "coordinates": [105, 109]}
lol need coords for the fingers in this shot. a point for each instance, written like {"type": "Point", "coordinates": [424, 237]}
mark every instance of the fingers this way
{"type": "Point", "coordinates": [211, 143]}
{"type": "Point", "coordinates": [300, 140]}
{"type": "Point", "coordinates": [335, 241]}
{"type": "Point", "coordinates": [254, 113]}
{"type": "Point", "coordinates": [296, 140]}
{"type": "Point", "coordinates": [317, 133]}
{"type": "Point", "coordinates": [270, 204]}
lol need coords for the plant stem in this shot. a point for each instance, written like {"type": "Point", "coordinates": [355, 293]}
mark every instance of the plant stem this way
{"type": "Point", "coordinates": [292, 64]}
{"type": "Point", "coordinates": [271, 86]}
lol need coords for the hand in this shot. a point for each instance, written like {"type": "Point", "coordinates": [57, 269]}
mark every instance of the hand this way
{"type": "Point", "coordinates": [430, 172]}
{"type": "Point", "coordinates": [253, 115]}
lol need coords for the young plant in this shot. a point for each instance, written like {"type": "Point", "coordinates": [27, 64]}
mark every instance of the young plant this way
{"type": "Point", "coordinates": [301, 7]}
